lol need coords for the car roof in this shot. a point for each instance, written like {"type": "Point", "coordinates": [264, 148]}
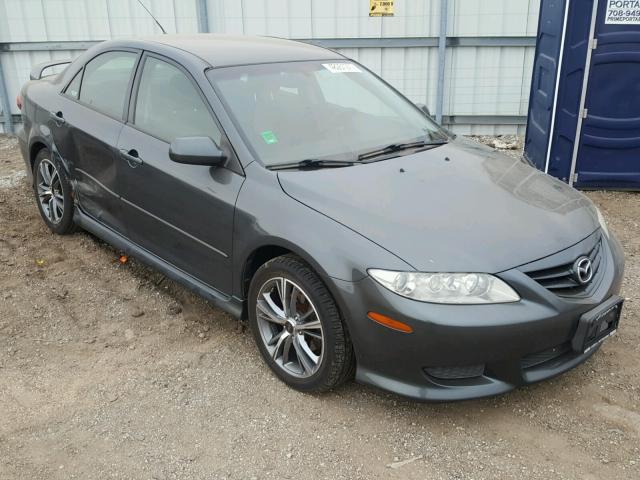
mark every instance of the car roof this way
{"type": "Point", "coordinates": [225, 50]}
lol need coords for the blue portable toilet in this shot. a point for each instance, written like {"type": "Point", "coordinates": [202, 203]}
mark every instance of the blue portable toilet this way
{"type": "Point", "coordinates": [584, 109]}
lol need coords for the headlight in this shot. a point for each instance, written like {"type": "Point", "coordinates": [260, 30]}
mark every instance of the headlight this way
{"type": "Point", "coordinates": [455, 288]}
{"type": "Point", "coordinates": [603, 224]}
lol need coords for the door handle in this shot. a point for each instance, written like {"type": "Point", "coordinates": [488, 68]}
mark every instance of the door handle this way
{"type": "Point", "coordinates": [132, 157]}
{"type": "Point", "coordinates": [57, 117]}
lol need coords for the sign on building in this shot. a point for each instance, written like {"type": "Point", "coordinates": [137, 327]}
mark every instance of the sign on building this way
{"type": "Point", "coordinates": [381, 8]}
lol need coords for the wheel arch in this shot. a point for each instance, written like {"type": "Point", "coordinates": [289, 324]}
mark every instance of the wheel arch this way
{"type": "Point", "coordinates": [261, 254]}
{"type": "Point", "coordinates": [278, 247]}
{"type": "Point", "coordinates": [35, 147]}
{"type": "Point", "coordinates": [258, 257]}
{"type": "Point", "coordinates": [37, 144]}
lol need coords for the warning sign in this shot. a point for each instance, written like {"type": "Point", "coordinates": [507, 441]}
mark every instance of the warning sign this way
{"type": "Point", "coordinates": [623, 12]}
{"type": "Point", "coordinates": [381, 8]}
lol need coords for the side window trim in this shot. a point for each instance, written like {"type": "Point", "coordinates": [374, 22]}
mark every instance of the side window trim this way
{"type": "Point", "coordinates": [79, 72]}
{"type": "Point", "coordinates": [226, 145]}
{"type": "Point", "coordinates": [134, 73]}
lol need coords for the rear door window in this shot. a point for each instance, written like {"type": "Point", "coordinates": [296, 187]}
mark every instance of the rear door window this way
{"type": "Point", "coordinates": [169, 106]}
{"type": "Point", "coordinates": [106, 80]}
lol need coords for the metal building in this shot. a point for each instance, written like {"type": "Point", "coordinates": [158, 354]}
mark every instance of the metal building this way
{"type": "Point", "coordinates": [470, 61]}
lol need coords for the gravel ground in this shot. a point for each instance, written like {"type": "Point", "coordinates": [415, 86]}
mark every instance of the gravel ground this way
{"type": "Point", "coordinates": [112, 371]}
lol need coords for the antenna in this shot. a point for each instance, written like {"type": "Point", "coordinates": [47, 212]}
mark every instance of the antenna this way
{"type": "Point", "coordinates": [154, 18]}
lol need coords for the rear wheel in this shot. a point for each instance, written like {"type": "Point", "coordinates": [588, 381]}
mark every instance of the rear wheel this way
{"type": "Point", "coordinates": [53, 193]}
{"type": "Point", "coordinates": [297, 326]}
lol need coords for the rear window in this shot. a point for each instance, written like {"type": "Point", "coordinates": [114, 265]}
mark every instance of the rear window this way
{"type": "Point", "coordinates": [105, 82]}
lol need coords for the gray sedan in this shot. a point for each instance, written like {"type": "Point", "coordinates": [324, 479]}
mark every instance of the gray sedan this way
{"type": "Point", "coordinates": [294, 188]}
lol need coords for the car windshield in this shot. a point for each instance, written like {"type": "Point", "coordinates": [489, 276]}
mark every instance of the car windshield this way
{"type": "Point", "coordinates": [290, 112]}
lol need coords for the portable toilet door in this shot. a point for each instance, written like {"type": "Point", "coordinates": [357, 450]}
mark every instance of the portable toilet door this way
{"type": "Point", "coordinates": [584, 126]}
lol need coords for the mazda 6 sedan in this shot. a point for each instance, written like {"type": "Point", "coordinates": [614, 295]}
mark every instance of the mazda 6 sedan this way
{"type": "Point", "coordinates": [293, 187]}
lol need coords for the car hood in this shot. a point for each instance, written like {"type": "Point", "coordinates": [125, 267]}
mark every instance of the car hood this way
{"type": "Point", "coordinates": [460, 207]}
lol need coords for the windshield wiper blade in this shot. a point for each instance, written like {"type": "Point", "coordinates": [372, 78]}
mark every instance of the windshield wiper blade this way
{"type": "Point", "coordinates": [311, 163]}
{"type": "Point", "coordinates": [396, 147]}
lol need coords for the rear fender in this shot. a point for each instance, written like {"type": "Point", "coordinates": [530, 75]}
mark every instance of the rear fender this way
{"type": "Point", "coordinates": [47, 141]}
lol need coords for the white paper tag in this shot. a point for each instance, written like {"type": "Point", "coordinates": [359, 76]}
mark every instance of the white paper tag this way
{"type": "Point", "coordinates": [341, 67]}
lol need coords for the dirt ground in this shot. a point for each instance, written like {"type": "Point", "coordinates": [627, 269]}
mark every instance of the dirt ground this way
{"type": "Point", "coordinates": [112, 371]}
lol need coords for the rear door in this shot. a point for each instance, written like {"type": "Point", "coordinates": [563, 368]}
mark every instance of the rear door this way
{"type": "Point", "coordinates": [609, 149]}
{"type": "Point", "coordinates": [87, 127]}
{"type": "Point", "coordinates": [181, 213]}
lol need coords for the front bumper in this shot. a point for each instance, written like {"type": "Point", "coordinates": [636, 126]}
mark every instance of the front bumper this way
{"type": "Point", "coordinates": [461, 352]}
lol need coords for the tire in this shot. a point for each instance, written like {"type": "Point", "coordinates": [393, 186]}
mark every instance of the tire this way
{"type": "Point", "coordinates": [52, 190]}
{"type": "Point", "coordinates": [317, 316]}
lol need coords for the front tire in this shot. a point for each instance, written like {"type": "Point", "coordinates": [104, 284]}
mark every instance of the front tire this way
{"type": "Point", "coordinates": [53, 193]}
{"type": "Point", "coordinates": [297, 326]}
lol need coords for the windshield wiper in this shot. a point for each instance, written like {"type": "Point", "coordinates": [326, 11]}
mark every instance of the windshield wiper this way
{"type": "Point", "coordinates": [311, 163]}
{"type": "Point", "coordinates": [396, 147]}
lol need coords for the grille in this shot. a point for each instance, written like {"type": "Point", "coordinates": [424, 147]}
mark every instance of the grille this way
{"type": "Point", "coordinates": [559, 279]}
{"type": "Point", "coordinates": [541, 357]}
{"type": "Point", "coordinates": [455, 373]}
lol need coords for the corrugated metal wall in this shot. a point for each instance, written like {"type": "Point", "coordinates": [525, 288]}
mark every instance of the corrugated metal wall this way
{"type": "Point", "coordinates": [490, 80]}
{"type": "Point", "coordinates": [486, 80]}
{"type": "Point", "coordinates": [323, 19]}
{"type": "Point", "coordinates": [79, 20]}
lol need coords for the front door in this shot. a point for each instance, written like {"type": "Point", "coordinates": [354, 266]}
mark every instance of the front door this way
{"type": "Point", "coordinates": [609, 149]}
{"type": "Point", "coordinates": [181, 213]}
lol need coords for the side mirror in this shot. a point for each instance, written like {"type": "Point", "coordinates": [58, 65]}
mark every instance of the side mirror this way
{"type": "Point", "coordinates": [424, 109]}
{"type": "Point", "coordinates": [196, 151]}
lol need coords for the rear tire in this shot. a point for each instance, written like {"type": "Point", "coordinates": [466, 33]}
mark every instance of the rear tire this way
{"type": "Point", "coordinates": [303, 339]}
{"type": "Point", "coordinates": [52, 190]}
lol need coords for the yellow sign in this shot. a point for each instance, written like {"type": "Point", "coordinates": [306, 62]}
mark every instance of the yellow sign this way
{"type": "Point", "coordinates": [381, 8]}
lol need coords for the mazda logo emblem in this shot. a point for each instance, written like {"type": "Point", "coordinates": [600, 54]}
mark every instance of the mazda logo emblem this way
{"type": "Point", "coordinates": [583, 270]}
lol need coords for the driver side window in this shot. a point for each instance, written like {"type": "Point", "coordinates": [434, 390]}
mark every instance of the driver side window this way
{"type": "Point", "coordinates": [168, 106]}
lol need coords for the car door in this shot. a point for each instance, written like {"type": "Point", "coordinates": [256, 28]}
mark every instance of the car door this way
{"type": "Point", "coordinates": [181, 213]}
{"type": "Point", "coordinates": [86, 129]}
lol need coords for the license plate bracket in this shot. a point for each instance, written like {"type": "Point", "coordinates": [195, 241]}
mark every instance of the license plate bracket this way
{"type": "Point", "coordinates": [598, 324]}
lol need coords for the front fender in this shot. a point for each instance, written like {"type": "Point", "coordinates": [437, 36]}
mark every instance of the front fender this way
{"type": "Point", "coordinates": [266, 216]}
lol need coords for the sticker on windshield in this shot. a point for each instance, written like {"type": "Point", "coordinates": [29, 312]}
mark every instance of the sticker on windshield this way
{"type": "Point", "coordinates": [269, 137]}
{"type": "Point", "coordinates": [341, 67]}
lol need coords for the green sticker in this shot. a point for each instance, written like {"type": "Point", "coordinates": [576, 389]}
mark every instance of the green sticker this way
{"type": "Point", "coordinates": [269, 137]}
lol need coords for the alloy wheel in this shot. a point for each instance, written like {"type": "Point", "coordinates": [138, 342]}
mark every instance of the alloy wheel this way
{"type": "Point", "coordinates": [49, 189]}
{"type": "Point", "coordinates": [290, 327]}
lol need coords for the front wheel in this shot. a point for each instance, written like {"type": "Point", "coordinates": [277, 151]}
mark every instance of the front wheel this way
{"type": "Point", "coordinates": [297, 326]}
